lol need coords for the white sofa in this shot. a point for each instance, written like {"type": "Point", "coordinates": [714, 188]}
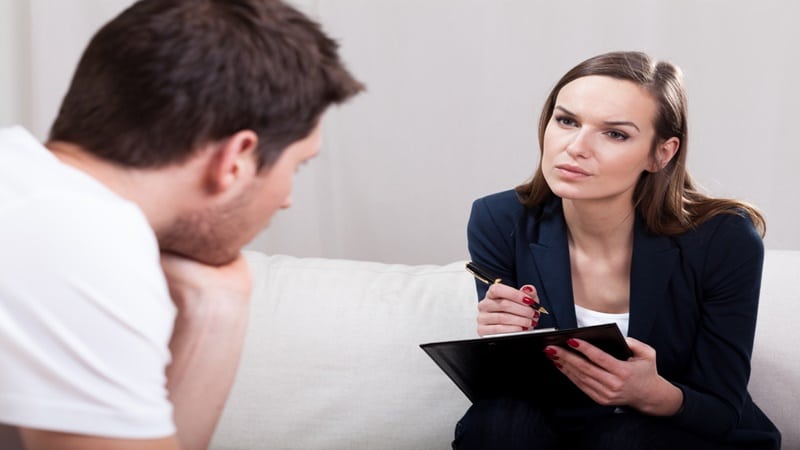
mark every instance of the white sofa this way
{"type": "Point", "coordinates": [332, 359]}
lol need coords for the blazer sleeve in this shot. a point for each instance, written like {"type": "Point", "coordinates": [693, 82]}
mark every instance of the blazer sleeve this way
{"type": "Point", "coordinates": [490, 237]}
{"type": "Point", "coordinates": [715, 388]}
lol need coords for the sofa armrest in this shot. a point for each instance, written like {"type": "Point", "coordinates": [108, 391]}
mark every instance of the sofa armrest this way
{"type": "Point", "coordinates": [775, 377]}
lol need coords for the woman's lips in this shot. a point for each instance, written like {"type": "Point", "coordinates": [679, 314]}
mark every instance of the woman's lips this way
{"type": "Point", "coordinates": [572, 171]}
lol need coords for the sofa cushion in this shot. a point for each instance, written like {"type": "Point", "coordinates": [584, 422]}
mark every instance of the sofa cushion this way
{"type": "Point", "coordinates": [332, 357]}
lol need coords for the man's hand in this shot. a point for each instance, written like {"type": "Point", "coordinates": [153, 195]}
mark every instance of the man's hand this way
{"type": "Point", "coordinates": [207, 341]}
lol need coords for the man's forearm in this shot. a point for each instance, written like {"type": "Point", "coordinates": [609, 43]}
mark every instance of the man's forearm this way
{"type": "Point", "coordinates": [206, 347]}
{"type": "Point", "coordinates": [52, 440]}
{"type": "Point", "coordinates": [206, 344]}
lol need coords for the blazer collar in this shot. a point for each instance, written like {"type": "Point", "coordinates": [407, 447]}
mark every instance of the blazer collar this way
{"type": "Point", "coordinates": [653, 262]}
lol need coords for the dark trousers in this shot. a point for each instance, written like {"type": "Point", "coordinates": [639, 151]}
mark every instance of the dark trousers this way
{"type": "Point", "coordinates": [511, 424]}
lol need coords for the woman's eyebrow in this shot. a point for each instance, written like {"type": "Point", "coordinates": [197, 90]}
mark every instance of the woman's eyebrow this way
{"type": "Point", "coordinates": [565, 110]}
{"type": "Point", "coordinates": [615, 123]}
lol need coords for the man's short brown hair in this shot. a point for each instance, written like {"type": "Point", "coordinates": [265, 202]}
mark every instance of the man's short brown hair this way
{"type": "Point", "coordinates": [167, 76]}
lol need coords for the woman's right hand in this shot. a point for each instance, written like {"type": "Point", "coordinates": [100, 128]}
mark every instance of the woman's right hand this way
{"type": "Point", "coordinates": [506, 309]}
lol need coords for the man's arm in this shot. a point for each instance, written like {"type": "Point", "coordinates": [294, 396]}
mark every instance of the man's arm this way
{"type": "Point", "coordinates": [206, 343]}
{"type": "Point", "coordinates": [50, 440]}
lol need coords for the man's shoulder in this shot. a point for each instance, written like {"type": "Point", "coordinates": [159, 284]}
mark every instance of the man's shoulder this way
{"type": "Point", "coordinates": [69, 221]}
{"type": "Point", "coordinates": [17, 137]}
{"type": "Point", "coordinates": [33, 182]}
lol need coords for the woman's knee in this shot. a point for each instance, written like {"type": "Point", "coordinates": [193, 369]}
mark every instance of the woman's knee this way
{"type": "Point", "coordinates": [504, 423]}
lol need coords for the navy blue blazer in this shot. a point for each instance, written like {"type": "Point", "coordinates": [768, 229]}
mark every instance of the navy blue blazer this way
{"type": "Point", "coordinates": [693, 297]}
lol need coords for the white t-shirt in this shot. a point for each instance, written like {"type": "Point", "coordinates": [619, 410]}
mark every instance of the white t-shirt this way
{"type": "Point", "coordinates": [85, 312]}
{"type": "Point", "coordinates": [587, 317]}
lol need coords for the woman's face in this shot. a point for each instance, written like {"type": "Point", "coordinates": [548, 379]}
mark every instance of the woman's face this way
{"type": "Point", "coordinates": [597, 142]}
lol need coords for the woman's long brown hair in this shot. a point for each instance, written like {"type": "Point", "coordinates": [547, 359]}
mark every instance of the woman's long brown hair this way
{"type": "Point", "coordinates": [668, 200]}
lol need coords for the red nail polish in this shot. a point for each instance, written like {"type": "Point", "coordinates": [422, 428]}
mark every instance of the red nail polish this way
{"type": "Point", "coordinates": [572, 343]}
{"type": "Point", "coordinates": [533, 323]}
{"type": "Point", "coordinates": [527, 289]}
{"type": "Point", "coordinates": [550, 351]}
{"type": "Point", "coordinates": [536, 314]}
{"type": "Point", "coordinates": [558, 366]}
{"type": "Point", "coordinates": [527, 300]}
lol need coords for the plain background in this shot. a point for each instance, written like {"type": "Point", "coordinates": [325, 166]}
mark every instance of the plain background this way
{"type": "Point", "coordinates": [454, 92]}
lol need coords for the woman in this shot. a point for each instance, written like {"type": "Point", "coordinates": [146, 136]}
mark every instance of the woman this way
{"type": "Point", "coordinates": [611, 228]}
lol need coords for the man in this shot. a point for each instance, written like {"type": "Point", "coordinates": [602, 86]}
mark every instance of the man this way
{"type": "Point", "coordinates": [123, 293]}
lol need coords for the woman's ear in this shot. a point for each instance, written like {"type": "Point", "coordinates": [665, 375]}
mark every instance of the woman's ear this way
{"type": "Point", "coordinates": [235, 158]}
{"type": "Point", "coordinates": [664, 154]}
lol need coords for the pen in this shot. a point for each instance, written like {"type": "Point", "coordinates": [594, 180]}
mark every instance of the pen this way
{"type": "Point", "coordinates": [484, 276]}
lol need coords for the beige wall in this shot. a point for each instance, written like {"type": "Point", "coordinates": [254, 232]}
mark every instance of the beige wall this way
{"type": "Point", "coordinates": [454, 91]}
{"type": "Point", "coordinates": [14, 62]}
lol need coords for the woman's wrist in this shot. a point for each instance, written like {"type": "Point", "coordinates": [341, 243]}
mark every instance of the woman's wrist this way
{"type": "Point", "coordinates": [667, 400]}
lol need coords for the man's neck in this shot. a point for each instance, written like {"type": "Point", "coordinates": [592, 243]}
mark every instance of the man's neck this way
{"type": "Point", "coordinates": [151, 189]}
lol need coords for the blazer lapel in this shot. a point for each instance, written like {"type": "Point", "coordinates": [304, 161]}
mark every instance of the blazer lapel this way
{"type": "Point", "coordinates": [653, 262]}
{"type": "Point", "coordinates": [652, 265]}
{"type": "Point", "coordinates": [551, 257]}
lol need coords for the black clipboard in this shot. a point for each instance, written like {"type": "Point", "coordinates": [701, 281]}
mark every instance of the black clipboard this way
{"type": "Point", "coordinates": [515, 364]}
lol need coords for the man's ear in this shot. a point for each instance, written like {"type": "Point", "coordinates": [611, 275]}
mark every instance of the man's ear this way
{"type": "Point", "coordinates": [664, 154]}
{"type": "Point", "coordinates": [234, 159]}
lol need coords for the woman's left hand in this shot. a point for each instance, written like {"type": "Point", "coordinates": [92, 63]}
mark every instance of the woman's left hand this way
{"type": "Point", "coordinates": [609, 381]}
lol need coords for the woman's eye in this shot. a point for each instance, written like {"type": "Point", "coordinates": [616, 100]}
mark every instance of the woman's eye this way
{"type": "Point", "coordinates": [616, 135]}
{"type": "Point", "coordinates": [566, 121]}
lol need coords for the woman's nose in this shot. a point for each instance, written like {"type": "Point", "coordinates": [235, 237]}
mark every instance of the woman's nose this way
{"type": "Point", "coordinates": [580, 145]}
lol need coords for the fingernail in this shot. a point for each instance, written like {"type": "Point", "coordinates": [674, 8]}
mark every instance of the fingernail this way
{"type": "Point", "coordinates": [550, 352]}
{"type": "Point", "coordinates": [533, 323]}
{"type": "Point", "coordinates": [536, 314]}
{"type": "Point", "coordinates": [527, 300]}
{"type": "Point", "coordinates": [572, 343]}
{"type": "Point", "coordinates": [527, 289]}
{"type": "Point", "coordinates": [558, 366]}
